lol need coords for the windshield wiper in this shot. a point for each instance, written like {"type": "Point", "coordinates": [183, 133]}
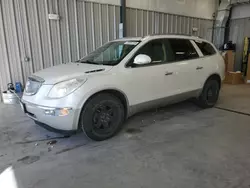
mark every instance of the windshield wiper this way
{"type": "Point", "coordinates": [95, 63]}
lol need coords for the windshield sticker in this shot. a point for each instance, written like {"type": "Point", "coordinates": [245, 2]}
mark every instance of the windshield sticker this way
{"type": "Point", "coordinates": [120, 50]}
{"type": "Point", "coordinates": [131, 43]}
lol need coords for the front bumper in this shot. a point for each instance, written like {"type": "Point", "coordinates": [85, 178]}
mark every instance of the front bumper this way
{"type": "Point", "coordinates": [64, 123]}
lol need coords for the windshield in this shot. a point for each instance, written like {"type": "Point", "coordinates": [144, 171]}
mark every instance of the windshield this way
{"type": "Point", "coordinates": [111, 53]}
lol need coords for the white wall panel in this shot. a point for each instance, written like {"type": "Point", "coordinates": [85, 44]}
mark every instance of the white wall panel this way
{"type": "Point", "coordinates": [241, 11]}
{"type": "Point", "coordinates": [152, 22]}
{"type": "Point", "coordinates": [192, 8]}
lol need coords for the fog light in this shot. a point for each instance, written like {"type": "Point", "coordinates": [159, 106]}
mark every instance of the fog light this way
{"type": "Point", "coordinates": [50, 112]}
{"type": "Point", "coordinates": [57, 111]}
{"type": "Point", "coordinates": [64, 112]}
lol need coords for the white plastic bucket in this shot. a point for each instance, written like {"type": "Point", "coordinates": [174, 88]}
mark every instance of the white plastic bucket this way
{"type": "Point", "coordinates": [9, 98]}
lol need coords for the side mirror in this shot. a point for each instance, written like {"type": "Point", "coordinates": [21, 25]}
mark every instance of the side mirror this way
{"type": "Point", "coordinates": [142, 59]}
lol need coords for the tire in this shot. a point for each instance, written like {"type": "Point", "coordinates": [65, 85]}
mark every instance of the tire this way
{"type": "Point", "coordinates": [102, 117]}
{"type": "Point", "coordinates": [209, 95]}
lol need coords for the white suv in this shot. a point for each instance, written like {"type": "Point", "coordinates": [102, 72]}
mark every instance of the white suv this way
{"type": "Point", "coordinates": [98, 92]}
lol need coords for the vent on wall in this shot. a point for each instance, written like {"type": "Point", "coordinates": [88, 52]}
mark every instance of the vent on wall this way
{"type": "Point", "coordinates": [181, 1]}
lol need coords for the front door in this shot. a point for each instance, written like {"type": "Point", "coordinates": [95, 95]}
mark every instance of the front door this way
{"type": "Point", "coordinates": [151, 82]}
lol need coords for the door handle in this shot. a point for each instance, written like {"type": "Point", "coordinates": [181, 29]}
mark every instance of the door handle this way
{"type": "Point", "coordinates": [199, 68]}
{"type": "Point", "coordinates": [168, 73]}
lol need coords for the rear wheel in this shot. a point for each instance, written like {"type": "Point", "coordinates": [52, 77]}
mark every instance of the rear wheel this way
{"type": "Point", "coordinates": [102, 116]}
{"type": "Point", "coordinates": [209, 95]}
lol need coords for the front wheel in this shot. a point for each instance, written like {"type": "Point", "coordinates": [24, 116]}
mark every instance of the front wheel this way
{"type": "Point", "coordinates": [102, 116]}
{"type": "Point", "coordinates": [209, 95]}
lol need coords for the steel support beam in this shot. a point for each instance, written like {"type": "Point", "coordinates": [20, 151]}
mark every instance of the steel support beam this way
{"type": "Point", "coordinates": [122, 26]}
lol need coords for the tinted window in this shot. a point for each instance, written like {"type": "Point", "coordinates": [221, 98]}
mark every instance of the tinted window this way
{"type": "Point", "coordinates": [154, 49]}
{"type": "Point", "coordinates": [206, 48]}
{"type": "Point", "coordinates": [180, 49]}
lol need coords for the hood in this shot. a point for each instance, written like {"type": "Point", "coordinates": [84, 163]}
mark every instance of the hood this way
{"type": "Point", "coordinates": [69, 71]}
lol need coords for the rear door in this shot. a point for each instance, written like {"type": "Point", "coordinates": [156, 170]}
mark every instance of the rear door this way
{"type": "Point", "coordinates": [183, 56]}
{"type": "Point", "coordinates": [208, 62]}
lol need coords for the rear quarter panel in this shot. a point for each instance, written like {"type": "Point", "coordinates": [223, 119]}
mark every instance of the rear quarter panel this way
{"type": "Point", "coordinates": [214, 65]}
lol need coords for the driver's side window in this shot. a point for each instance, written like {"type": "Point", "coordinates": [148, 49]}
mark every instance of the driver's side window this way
{"type": "Point", "coordinates": [154, 49]}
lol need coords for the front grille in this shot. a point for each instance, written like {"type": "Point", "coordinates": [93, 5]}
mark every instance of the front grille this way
{"type": "Point", "coordinates": [33, 85]}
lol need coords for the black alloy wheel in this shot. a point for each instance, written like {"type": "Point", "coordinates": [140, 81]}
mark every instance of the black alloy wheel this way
{"type": "Point", "coordinates": [209, 95]}
{"type": "Point", "coordinates": [102, 116]}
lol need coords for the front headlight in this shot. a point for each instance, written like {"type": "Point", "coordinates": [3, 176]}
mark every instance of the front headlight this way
{"type": "Point", "coordinates": [63, 89]}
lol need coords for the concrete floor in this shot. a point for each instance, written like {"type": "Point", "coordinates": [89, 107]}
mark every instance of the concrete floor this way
{"type": "Point", "coordinates": [177, 146]}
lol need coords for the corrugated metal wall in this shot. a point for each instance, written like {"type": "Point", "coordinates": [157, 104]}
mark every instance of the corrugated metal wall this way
{"type": "Point", "coordinates": [144, 22]}
{"type": "Point", "coordinates": [239, 28]}
{"type": "Point", "coordinates": [29, 41]}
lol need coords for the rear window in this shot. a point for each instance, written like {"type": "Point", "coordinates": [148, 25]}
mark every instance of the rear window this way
{"type": "Point", "coordinates": [206, 48]}
{"type": "Point", "coordinates": [181, 49]}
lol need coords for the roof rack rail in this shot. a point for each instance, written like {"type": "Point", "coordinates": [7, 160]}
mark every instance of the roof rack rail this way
{"type": "Point", "coordinates": [156, 34]}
